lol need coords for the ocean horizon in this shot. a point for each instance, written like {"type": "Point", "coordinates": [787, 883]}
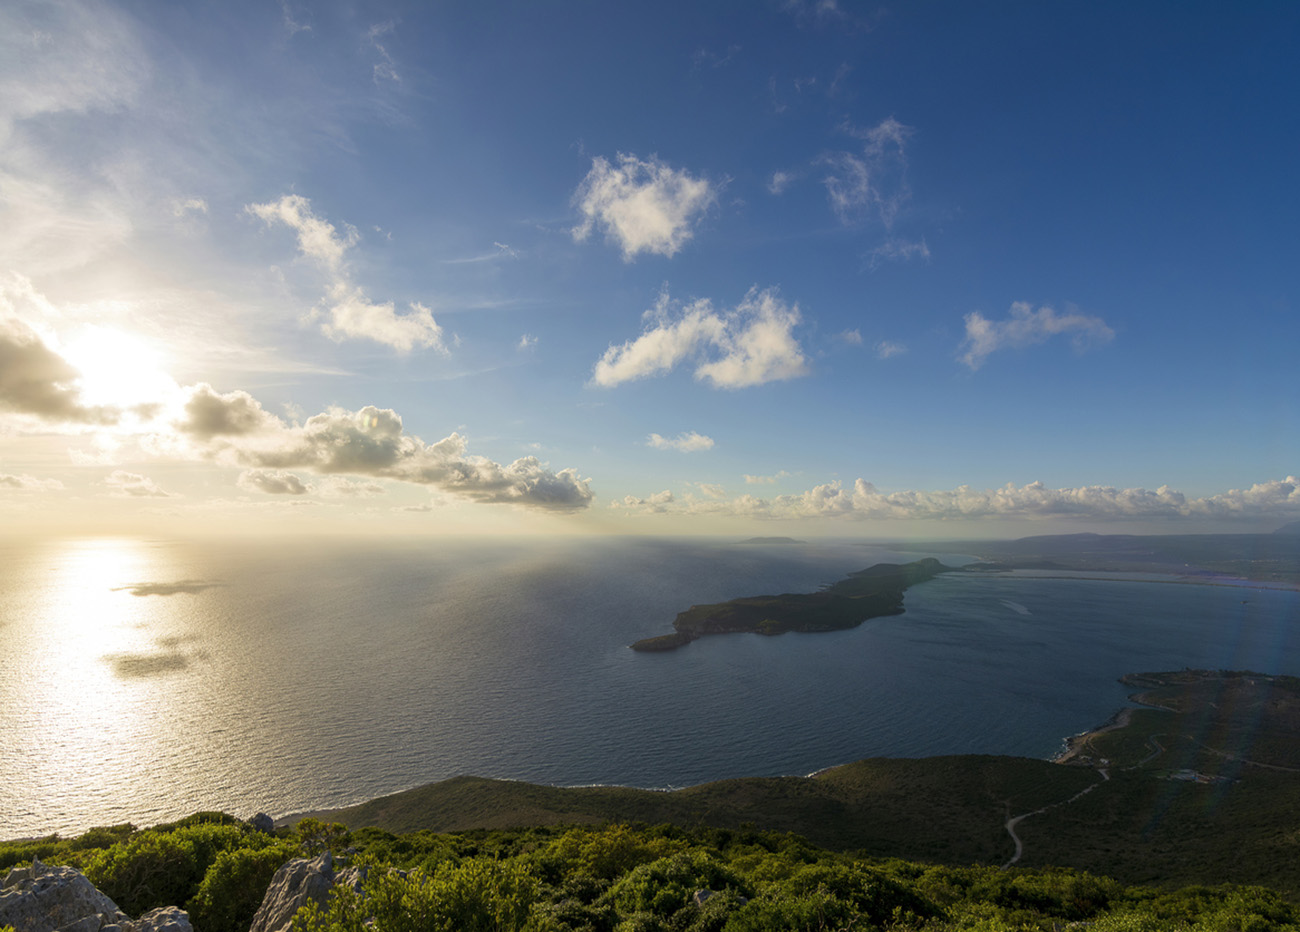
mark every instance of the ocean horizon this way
{"type": "Point", "coordinates": [144, 679]}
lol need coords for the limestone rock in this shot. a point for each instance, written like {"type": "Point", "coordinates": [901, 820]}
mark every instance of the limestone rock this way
{"type": "Point", "coordinates": [164, 919]}
{"type": "Point", "coordinates": [49, 899]}
{"type": "Point", "coordinates": [293, 886]}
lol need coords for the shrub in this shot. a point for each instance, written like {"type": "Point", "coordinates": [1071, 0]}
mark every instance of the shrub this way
{"type": "Point", "coordinates": [233, 887]}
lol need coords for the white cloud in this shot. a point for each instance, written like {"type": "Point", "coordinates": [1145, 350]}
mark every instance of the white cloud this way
{"type": "Point", "coordinates": [873, 180]}
{"type": "Point", "coordinates": [27, 483]}
{"type": "Point", "coordinates": [527, 341]}
{"type": "Point", "coordinates": [779, 182]}
{"type": "Point", "coordinates": [750, 344]}
{"type": "Point", "coordinates": [852, 337]}
{"type": "Point", "coordinates": [888, 348]}
{"type": "Point", "coordinates": [644, 205]}
{"type": "Point", "coordinates": [655, 504]}
{"type": "Point", "coordinates": [386, 68]}
{"type": "Point", "coordinates": [1026, 327]}
{"type": "Point", "coordinates": [766, 480]}
{"type": "Point", "coordinates": [317, 238]}
{"type": "Point", "coordinates": [189, 205]}
{"type": "Point", "coordinates": [683, 442]}
{"type": "Point", "coordinates": [863, 501]}
{"type": "Point", "coordinates": [133, 485]}
{"type": "Point", "coordinates": [339, 487]}
{"type": "Point", "coordinates": [899, 250]}
{"type": "Point", "coordinates": [272, 482]}
{"type": "Point", "coordinates": [351, 314]}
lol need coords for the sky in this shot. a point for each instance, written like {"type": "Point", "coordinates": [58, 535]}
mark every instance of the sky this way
{"type": "Point", "coordinates": [805, 268]}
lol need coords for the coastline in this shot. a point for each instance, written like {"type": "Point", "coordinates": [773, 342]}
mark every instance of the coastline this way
{"type": "Point", "coordinates": [1075, 744]}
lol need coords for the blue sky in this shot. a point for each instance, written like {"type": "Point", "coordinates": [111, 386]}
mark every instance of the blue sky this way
{"type": "Point", "coordinates": [811, 267]}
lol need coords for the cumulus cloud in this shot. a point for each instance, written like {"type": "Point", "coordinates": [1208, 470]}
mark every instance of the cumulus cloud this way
{"type": "Point", "coordinates": [887, 348]}
{"type": "Point", "coordinates": [750, 344]}
{"type": "Point", "coordinates": [655, 504]}
{"type": "Point", "coordinates": [1026, 327]}
{"type": "Point", "coordinates": [27, 483]}
{"type": "Point", "coordinates": [766, 480]}
{"type": "Point", "coordinates": [35, 380]}
{"type": "Point", "coordinates": [872, 180]}
{"type": "Point", "coordinates": [642, 204]}
{"type": "Point", "coordinates": [133, 485]}
{"type": "Point", "coordinates": [209, 414]}
{"type": "Point", "coordinates": [350, 314]}
{"type": "Point", "coordinates": [863, 501]}
{"type": "Point", "coordinates": [272, 482]}
{"type": "Point", "coordinates": [852, 337]}
{"type": "Point", "coordinates": [684, 442]}
{"type": "Point", "coordinates": [234, 428]}
{"type": "Point", "coordinates": [526, 341]}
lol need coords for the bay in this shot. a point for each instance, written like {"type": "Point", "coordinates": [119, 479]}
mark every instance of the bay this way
{"type": "Point", "coordinates": [144, 680]}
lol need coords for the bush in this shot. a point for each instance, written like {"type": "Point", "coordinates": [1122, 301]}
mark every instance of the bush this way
{"type": "Point", "coordinates": [233, 887]}
{"type": "Point", "coordinates": [160, 868]}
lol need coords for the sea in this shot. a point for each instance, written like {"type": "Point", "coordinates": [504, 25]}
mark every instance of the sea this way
{"type": "Point", "coordinates": [143, 680]}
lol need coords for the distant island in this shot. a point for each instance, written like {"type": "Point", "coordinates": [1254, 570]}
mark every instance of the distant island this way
{"type": "Point", "coordinates": [869, 593]}
{"type": "Point", "coordinates": [772, 540]}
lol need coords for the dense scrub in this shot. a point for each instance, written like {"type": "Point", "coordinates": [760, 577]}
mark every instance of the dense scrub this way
{"type": "Point", "coordinates": [619, 878]}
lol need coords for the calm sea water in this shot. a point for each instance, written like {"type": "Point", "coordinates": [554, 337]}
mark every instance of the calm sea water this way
{"type": "Point", "coordinates": [141, 681]}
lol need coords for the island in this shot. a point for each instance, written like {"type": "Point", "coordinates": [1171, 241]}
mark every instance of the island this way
{"type": "Point", "coordinates": [870, 593]}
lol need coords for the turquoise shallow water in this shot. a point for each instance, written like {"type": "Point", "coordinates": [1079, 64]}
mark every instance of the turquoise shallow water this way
{"type": "Point", "coordinates": [141, 681]}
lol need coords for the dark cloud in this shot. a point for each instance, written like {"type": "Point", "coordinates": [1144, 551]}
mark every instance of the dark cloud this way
{"type": "Point", "coordinates": [36, 380]}
{"type": "Point", "coordinates": [210, 414]}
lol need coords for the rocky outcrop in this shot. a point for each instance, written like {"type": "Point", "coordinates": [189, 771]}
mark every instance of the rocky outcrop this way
{"type": "Point", "coordinates": [262, 823]}
{"type": "Point", "coordinates": [61, 899]}
{"type": "Point", "coordinates": [298, 883]}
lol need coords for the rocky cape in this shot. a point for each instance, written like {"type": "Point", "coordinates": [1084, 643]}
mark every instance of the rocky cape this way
{"type": "Point", "coordinates": [870, 593]}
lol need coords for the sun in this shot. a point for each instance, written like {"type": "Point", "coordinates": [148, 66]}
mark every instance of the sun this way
{"type": "Point", "coordinates": [117, 368]}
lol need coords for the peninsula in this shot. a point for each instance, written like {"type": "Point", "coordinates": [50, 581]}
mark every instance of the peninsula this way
{"type": "Point", "coordinates": [869, 593]}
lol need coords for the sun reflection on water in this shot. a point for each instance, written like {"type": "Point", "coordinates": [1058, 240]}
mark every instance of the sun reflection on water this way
{"type": "Point", "coordinates": [91, 662]}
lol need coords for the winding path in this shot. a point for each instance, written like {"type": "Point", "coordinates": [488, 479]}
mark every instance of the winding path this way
{"type": "Point", "coordinates": [1013, 821]}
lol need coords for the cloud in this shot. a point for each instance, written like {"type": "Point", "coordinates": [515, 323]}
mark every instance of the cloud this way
{"type": "Point", "coordinates": [852, 337]}
{"type": "Point", "coordinates": [339, 487]}
{"type": "Point", "coordinates": [133, 485]}
{"type": "Point", "coordinates": [863, 501]}
{"type": "Point", "coordinates": [26, 483]}
{"type": "Point", "coordinates": [766, 480]}
{"type": "Point", "coordinates": [899, 250]}
{"type": "Point", "coordinates": [655, 504]}
{"type": "Point", "coordinates": [1026, 327]}
{"type": "Point", "coordinates": [209, 414]}
{"type": "Point", "coordinates": [887, 348]}
{"type": "Point", "coordinates": [527, 341]}
{"type": "Point", "coordinates": [684, 442]}
{"type": "Point", "coordinates": [385, 69]}
{"type": "Point", "coordinates": [874, 179]}
{"type": "Point", "coordinates": [750, 344]}
{"type": "Point", "coordinates": [272, 482]}
{"type": "Point", "coordinates": [37, 381]}
{"type": "Point", "coordinates": [644, 205]}
{"type": "Point", "coordinates": [779, 182]}
{"type": "Point", "coordinates": [350, 313]}
{"type": "Point", "coordinates": [236, 430]}
{"type": "Point", "coordinates": [189, 205]}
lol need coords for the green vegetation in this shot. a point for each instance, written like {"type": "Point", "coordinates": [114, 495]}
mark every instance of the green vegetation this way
{"type": "Point", "coordinates": [869, 593]}
{"type": "Point", "coordinates": [621, 878]}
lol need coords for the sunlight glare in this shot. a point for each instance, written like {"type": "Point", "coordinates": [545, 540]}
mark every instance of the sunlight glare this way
{"type": "Point", "coordinates": [118, 368]}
